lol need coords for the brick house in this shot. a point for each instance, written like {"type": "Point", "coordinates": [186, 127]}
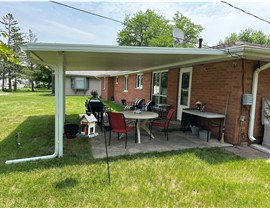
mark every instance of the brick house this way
{"type": "Point", "coordinates": [208, 75]}
{"type": "Point", "coordinates": [210, 82]}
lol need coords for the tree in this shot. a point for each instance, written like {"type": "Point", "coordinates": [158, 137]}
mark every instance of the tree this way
{"type": "Point", "coordinates": [43, 74]}
{"type": "Point", "coordinates": [191, 30]}
{"type": "Point", "coordinates": [150, 29]}
{"type": "Point", "coordinates": [29, 70]}
{"type": "Point", "coordinates": [14, 40]}
{"type": "Point", "coordinates": [143, 29]}
{"type": "Point", "coordinates": [6, 55]}
{"type": "Point", "coordinates": [248, 35]}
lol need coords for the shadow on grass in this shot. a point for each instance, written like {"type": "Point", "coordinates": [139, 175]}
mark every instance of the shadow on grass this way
{"type": "Point", "coordinates": [33, 137]}
{"type": "Point", "coordinates": [37, 139]}
{"type": "Point", "coordinates": [210, 155]}
{"type": "Point", "coordinates": [66, 183]}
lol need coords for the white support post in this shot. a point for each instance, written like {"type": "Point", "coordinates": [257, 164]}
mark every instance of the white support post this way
{"type": "Point", "coordinates": [59, 103]}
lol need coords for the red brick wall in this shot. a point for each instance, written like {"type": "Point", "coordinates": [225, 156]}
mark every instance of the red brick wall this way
{"type": "Point", "coordinates": [108, 91]}
{"type": "Point", "coordinates": [263, 91]}
{"type": "Point", "coordinates": [145, 92]}
{"type": "Point", "coordinates": [133, 93]}
{"type": "Point", "coordinates": [173, 79]}
{"type": "Point", "coordinates": [211, 83]}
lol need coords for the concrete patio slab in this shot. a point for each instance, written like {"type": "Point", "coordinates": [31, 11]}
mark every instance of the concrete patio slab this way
{"type": "Point", "coordinates": [248, 152]}
{"type": "Point", "coordinates": [178, 140]}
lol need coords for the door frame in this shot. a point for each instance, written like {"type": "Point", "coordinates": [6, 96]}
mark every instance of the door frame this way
{"type": "Point", "coordinates": [180, 107]}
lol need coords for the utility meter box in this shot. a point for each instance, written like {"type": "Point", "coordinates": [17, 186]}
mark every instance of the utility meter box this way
{"type": "Point", "coordinates": [247, 99]}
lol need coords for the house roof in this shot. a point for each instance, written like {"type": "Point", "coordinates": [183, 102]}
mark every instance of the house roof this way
{"type": "Point", "coordinates": [239, 43]}
{"type": "Point", "coordinates": [85, 73]}
{"type": "Point", "coordinates": [90, 118]}
{"type": "Point", "coordinates": [86, 57]}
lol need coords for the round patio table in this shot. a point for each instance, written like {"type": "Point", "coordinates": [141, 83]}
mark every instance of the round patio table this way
{"type": "Point", "coordinates": [141, 120]}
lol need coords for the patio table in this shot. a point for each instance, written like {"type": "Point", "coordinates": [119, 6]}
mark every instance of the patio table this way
{"type": "Point", "coordinates": [141, 120]}
{"type": "Point", "coordinates": [209, 116]}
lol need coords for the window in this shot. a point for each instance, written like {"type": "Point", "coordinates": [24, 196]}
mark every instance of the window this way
{"type": "Point", "coordinates": [159, 87]}
{"type": "Point", "coordinates": [185, 88]}
{"type": "Point", "coordinates": [139, 80]}
{"type": "Point", "coordinates": [116, 80]}
{"type": "Point", "coordinates": [125, 83]}
{"type": "Point", "coordinates": [79, 83]}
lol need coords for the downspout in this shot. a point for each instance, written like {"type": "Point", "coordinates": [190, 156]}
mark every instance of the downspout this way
{"type": "Point", "coordinates": [56, 148]}
{"type": "Point", "coordinates": [59, 116]}
{"type": "Point", "coordinates": [254, 95]}
{"type": "Point", "coordinates": [54, 155]}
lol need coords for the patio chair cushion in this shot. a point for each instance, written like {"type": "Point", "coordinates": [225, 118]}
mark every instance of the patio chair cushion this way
{"type": "Point", "coordinates": [136, 104]}
{"type": "Point", "coordinates": [149, 105]}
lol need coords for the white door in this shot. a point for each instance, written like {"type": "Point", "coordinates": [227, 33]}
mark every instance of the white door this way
{"type": "Point", "coordinates": [184, 90]}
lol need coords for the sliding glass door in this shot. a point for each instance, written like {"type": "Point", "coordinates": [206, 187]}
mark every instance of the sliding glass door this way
{"type": "Point", "coordinates": [159, 87]}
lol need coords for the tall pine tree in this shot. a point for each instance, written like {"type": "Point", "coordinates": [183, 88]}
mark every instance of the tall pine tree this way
{"type": "Point", "coordinates": [14, 39]}
{"type": "Point", "coordinates": [29, 71]}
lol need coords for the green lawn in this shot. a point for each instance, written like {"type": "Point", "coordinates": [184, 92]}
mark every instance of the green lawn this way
{"type": "Point", "coordinates": [190, 178]}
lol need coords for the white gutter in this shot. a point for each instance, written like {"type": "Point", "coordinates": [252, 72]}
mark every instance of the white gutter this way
{"type": "Point", "coordinates": [49, 47]}
{"type": "Point", "coordinates": [254, 95]}
{"type": "Point", "coordinates": [59, 115]}
{"type": "Point", "coordinates": [54, 155]}
{"type": "Point", "coordinates": [56, 149]}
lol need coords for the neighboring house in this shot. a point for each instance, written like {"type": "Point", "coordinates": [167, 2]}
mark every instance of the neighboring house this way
{"type": "Point", "coordinates": [207, 81]}
{"type": "Point", "coordinates": [82, 82]}
{"type": "Point", "coordinates": [20, 83]}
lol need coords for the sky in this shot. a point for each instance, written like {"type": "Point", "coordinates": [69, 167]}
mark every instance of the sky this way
{"type": "Point", "coordinates": [53, 23]}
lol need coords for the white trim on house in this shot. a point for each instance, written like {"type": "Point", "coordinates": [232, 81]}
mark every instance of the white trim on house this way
{"type": "Point", "coordinates": [180, 106]}
{"type": "Point", "coordinates": [126, 83]}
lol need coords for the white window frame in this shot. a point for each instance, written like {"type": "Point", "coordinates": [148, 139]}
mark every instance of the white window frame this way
{"type": "Point", "coordinates": [126, 83]}
{"type": "Point", "coordinates": [159, 95]}
{"type": "Point", "coordinates": [79, 83]}
{"type": "Point", "coordinates": [139, 81]}
{"type": "Point", "coordinates": [116, 80]}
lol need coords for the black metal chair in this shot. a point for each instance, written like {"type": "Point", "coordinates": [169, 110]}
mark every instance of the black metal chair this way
{"type": "Point", "coordinates": [97, 108]}
{"type": "Point", "coordinates": [187, 121]}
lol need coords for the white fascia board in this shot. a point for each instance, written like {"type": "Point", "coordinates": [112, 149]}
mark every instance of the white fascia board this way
{"type": "Point", "coordinates": [251, 52]}
{"type": "Point", "coordinates": [240, 50]}
{"type": "Point", "coordinates": [187, 63]}
{"type": "Point", "coordinates": [117, 49]}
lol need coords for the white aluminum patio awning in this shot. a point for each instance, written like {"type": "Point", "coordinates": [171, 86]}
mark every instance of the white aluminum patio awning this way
{"type": "Point", "coordinates": [69, 57]}
{"type": "Point", "coordinates": [119, 58]}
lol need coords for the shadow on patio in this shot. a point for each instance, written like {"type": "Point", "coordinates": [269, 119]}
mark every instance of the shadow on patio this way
{"type": "Point", "coordinates": [178, 140]}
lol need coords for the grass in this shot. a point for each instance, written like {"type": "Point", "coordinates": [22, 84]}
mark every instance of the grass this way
{"type": "Point", "coordinates": [189, 178]}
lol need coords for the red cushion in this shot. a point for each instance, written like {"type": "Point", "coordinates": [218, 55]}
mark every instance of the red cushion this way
{"type": "Point", "coordinates": [158, 124]}
{"type": "Point", "coordinates": [129, 128]}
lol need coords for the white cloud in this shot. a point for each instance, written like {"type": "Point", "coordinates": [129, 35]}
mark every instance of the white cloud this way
{"type": "Point", "coordinates": [66, 32]}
